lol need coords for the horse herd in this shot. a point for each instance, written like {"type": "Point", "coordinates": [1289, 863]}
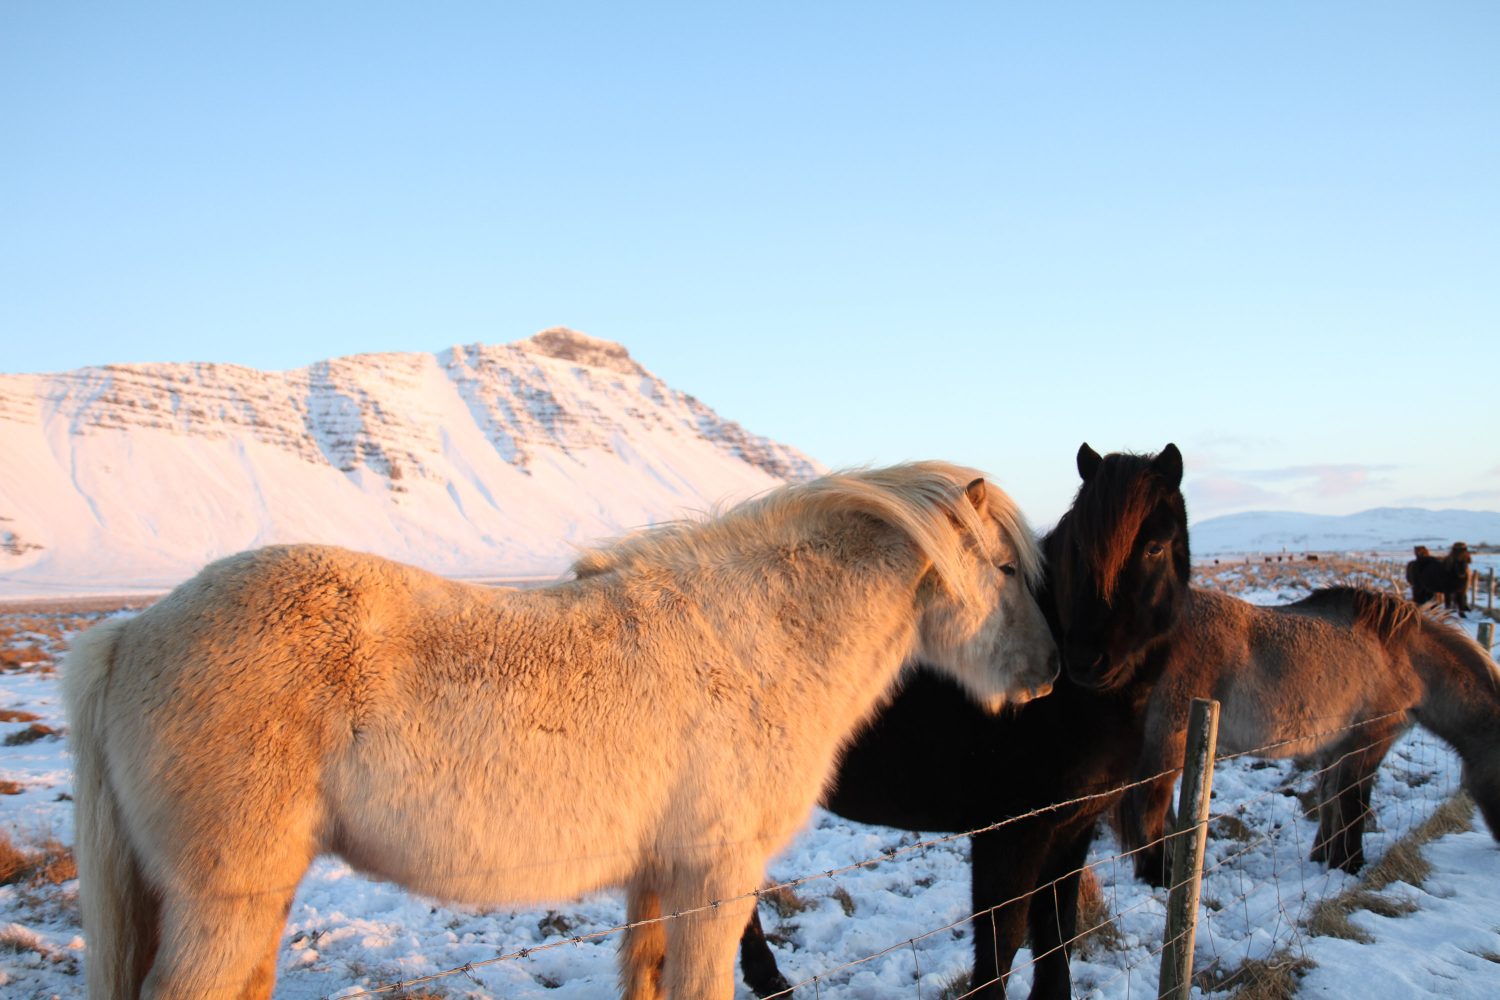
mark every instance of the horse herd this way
{"type": "Point", "coordinates": [892, 644]}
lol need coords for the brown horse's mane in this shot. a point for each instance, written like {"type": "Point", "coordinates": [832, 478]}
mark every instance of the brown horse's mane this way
{"type": "Point", "coordinates": [1385, 615]}
{"type": "Point", "coordinates": [1458, 557]}
{"type": "Point", "coordinates": [1109, 510]}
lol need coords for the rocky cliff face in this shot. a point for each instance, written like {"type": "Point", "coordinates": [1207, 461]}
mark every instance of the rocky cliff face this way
{"type": "Point", "coordinates": [481, 446]}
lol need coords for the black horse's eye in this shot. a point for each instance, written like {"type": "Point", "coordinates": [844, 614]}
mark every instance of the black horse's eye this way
{"type": "Point", "coordinates": [1009, 569]}
{"type": "Point", "coordinates": [1155, 549]}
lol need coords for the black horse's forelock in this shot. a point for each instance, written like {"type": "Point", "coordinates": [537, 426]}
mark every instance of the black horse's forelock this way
{"type": "Point", "coordinates": [1108, 514]}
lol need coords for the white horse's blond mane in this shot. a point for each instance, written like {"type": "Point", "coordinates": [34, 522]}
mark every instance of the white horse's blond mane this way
{"type": "Point", "coordinates": [919, 499]}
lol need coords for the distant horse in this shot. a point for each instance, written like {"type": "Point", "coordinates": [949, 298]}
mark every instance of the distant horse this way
{"type": "Point", "coordinates": [664, 724]}
{"type": "Point", "coordinates": [1117, 574]}
{"type": "Point", "coordinates": [1448, 576]}
{"type": "Point", "coordinates": [1336, 677]}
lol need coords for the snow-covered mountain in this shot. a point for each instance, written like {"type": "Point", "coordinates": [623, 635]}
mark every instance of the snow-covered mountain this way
{"type": "Point", "coordinates": [475, 461]}
{"type": "Point", "coordinates": [1384, 529]}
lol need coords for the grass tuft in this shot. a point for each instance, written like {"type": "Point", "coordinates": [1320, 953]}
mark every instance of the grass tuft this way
{"type": "Point", "coordinates": [1402, 863]}
{"type": "Point", "coordinates": [32, 733]}
{"type": "Point", "coordinates": [1097, 931]}
{"type": "Point", "coordinates": [49, 863]}
{"type": "Point", "coordinates": [785, 901]}
{"type": "Point", "coordinates": [1273, 978]}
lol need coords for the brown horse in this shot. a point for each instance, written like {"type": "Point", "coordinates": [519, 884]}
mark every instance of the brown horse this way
{"type": "Point", "coordinates": [1447, 576]}
{"type": "Point", "coordinates": [664, 724]}
{"type": "Point", "coordinates": [1336, 676]}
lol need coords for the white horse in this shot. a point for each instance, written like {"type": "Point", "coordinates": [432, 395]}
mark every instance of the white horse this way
{"type": "Point", "coordinates": [663, 722]}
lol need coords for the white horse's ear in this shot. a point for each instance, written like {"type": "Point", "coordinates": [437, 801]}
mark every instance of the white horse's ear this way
{"type": "Point", "coordinates": [1088, 462]}
{"type": "Point", "coordinates": [979, 496]}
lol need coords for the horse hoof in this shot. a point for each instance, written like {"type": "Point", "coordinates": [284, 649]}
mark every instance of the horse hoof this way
{"type": "Point", "coordinates": [776, 986]}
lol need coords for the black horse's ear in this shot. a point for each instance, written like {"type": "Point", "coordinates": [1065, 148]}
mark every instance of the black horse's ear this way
{"type": "Point", "coordinates": [1168, 466]}
{"type": "Point", "coordinates": [978, 495]}
{"type": "Point", "coordinates": [1088, 462]}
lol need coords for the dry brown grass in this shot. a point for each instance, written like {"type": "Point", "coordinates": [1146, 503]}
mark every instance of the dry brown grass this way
{"type": "Point", "coordinates": [34, 636]}
{"type": "Point", "coordinates": [785, 901]}
{"type": "Point", "coordinates": [48, 863]}
{"type": "Point", "coordinates": [1229, 827]}
{"type": "Point", "coordinates": [1097, 931]}
{"type": "Point", "coordinates": [955, 986]}
{"type": "Point", "coordinates": [24, 658]}
{"type": "Point", "coordinates": [32, 733]}
{"type": "Point", "coordinates": [1330, 917]}
{"type": "Point", "coordinates": [1402, 863]}
{"type": "Point", "coordinates": [1273, 978]}
{"type": "Point", "coordinates": [1297, 573]}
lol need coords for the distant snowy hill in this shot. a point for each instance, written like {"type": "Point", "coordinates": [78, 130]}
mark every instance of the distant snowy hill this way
{"type": "Point", "coordinates": [476, 461]}
{"type": "Point", "coordinates": [1384, 529]}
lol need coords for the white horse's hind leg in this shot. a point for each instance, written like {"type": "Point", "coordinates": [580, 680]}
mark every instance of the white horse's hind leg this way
{"type": "Point", "coordinates": [701, 946]}
{"type": "Point", "coordinates": [215, 947]}
{"type": "Point", "coordinates": [644, 948]}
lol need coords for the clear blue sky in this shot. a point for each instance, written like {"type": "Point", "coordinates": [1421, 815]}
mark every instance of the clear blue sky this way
{"type": "Point", "coordinates": [983, 232]}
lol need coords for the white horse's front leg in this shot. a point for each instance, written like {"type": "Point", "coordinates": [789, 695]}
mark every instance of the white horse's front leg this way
{"type": "Point", "coordinates": [701, 946]}
{"type": "Point", "coordinates": [645, 947]}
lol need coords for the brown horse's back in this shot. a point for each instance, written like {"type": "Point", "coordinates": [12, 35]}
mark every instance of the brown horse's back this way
{"type": "Point", "coordinates": [1285, 676]}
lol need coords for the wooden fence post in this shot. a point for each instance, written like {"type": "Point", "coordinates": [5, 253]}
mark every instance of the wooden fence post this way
{"type": "Point", "coordinates": [1487, 635]}
{"type": "Point", "coordinates": [1188, 841]}
{"type": "Point", "coordinates": [1489, 589]}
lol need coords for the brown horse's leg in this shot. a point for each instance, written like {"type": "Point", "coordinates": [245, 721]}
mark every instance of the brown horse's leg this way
{"type": "Point", "coordinates": [1143, 810]}
{"type": "Point", "coordinates": [758, 963]}
{"type": "Point", "coordinates": [644, 948]}
{"type": "Point", "coordinates": [1344, 803]}
{"type": "Point", "coordinates": [1143, 827]}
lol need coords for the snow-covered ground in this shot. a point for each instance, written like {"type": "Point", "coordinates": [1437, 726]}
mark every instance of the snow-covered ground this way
{"type": "Point", "coordinates": [347, 933]}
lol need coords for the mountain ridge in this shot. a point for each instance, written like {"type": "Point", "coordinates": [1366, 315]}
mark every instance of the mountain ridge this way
{"type": "Point", "coordinates": [1380, 529]}
{"type": "Point", "coordinates": [474, 460]}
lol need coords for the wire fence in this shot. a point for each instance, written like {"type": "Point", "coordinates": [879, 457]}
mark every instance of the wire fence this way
{"type": "Point", "coordinates": [1262, 900]}
{"type": "Point", "coordinates": [1259, 892]}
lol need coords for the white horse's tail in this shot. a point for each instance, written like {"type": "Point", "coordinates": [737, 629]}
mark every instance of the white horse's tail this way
{"type": "Point", "coordinates": [119, 908]}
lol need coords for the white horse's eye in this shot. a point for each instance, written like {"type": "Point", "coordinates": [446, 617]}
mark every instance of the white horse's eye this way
{"type": "Point", "coordinates": [1009, 569]}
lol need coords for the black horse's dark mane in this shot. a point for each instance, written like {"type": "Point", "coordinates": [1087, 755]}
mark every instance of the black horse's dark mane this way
{"type": "Point", "coordinates": [1108, 512]}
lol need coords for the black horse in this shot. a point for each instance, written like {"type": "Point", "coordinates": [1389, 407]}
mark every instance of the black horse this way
{"type": "Point", "coordinates": [1117, 575]}
{"type": "Point", "coordinates": [1447, 576]}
